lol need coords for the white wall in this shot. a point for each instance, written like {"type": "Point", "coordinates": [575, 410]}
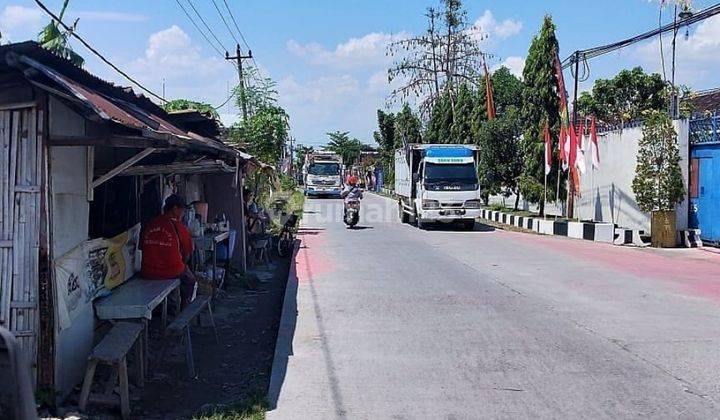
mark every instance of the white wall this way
{"type": "Point", "coordinates": [606, 193]}
{"type": "Point", "coordinates": [69, 228]}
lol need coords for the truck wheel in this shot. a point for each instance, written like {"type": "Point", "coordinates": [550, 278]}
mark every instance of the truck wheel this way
{"type": "Point", "coordinates": [421, 224]}
{"type": "Point", "coordinates": [468, 224]}
{"type": "Point", "coordinates": [404, 218]}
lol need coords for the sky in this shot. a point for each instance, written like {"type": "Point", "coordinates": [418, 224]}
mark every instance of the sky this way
{"type": "Point", "coordinates": [329, 57]}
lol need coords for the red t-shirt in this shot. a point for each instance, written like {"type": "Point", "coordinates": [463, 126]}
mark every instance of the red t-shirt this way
{"type": "Point", "coordinates": [165, 244]}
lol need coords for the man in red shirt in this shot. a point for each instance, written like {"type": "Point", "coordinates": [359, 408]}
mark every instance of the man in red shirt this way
{"type": "Point", "coordinates": [166, 247]}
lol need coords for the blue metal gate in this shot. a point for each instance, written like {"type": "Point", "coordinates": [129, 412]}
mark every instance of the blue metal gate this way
{"type": "Point", "coordinates": [704, 189]}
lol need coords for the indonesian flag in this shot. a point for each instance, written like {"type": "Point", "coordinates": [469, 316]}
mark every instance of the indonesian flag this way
{"type": "Point", "coordinates": [567, 132]}
{"type": "Point", "coordinates": [564, 148]}
{"type": "Point", "coordinates": [548, 148]}
{"type": "Point", "coordinates": [594, 147]}
{"type": "Point", "coordinates": [580, 159]}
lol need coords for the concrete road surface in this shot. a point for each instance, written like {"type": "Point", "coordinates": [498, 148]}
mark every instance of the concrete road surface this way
{"type": "Point", "coordinates": [392, 322]}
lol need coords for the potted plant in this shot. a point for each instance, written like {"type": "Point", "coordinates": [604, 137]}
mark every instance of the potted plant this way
{"type": "Point", "coordinates": [658, 182]}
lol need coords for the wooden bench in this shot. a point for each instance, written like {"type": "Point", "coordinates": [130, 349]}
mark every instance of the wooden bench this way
{"type": "Point", "coordinates": [180, 327]}
{"type": "Point", "coordinates": [113, 350]}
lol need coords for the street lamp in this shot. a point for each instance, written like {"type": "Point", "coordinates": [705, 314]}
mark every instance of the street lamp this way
{"type": "Point", "coordinates": [684, 14]}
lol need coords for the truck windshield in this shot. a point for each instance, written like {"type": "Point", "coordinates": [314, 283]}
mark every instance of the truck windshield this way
{"type": "Point", "coordinates": [462, 172]}
{"type": "Point", "coordinates": [324, 169]}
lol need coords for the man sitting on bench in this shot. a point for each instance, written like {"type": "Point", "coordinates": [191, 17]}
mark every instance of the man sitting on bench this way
{"type": "Point", "coordinates": [166, 247]}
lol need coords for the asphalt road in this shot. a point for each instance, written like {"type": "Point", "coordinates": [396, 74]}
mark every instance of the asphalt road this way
{"type": "Point", "coordinates": [391, 322]}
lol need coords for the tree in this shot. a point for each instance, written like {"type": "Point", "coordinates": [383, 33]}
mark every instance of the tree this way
{"type": "Point", "coordinates": [625, 97]}
{"type": "Point", "coordinates": [445, 56]}
{"type": "Point", "coordinates": [441, 120]}
{"type": "Point", "coordinates": [658, 182]}
{"type": "Point", "coordinates": [183, 104]}
{"type": "Point", "coordinates": [263, 134]}
{"type": "Point", "coordinates": [540, 105]}
{"type": "Point", "coordinates": [461, 129]}
{"type": "Point", "coordinates": [348, 148]}
{"type": "Point", "coordinates": [408, 128]}
{"type": "Point", "coordinates": [300, 152]}
{"type": "Point", "coordinates": [55, 40]}
{"type": "Point", "coordinates": [385, 136]}
{"type": "Point", "coordinates": [507, 90]}
{"type": "Point", "coordinates": [500, 161]}
{"type": "Point", "coordinates": [260, 92]}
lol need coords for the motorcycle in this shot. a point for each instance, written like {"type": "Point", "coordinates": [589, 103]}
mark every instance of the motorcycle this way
{"type": "Point", "coordinates": [352, 212]}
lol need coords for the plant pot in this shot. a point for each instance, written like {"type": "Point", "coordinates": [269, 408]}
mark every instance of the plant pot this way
{"type": "Point", "coordinates": [662, 229]}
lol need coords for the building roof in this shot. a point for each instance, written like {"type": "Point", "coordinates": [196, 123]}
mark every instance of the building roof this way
{"type": "Point", "coordinates": [105, 100]}
{"type": "Point", "coordinates": [704, 102]}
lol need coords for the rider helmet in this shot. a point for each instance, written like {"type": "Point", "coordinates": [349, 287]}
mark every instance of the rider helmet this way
{"type": "Point", "coordinates": [352, 180]}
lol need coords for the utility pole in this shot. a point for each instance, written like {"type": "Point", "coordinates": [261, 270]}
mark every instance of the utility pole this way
{"type": "Point", "coordinates": [571, 181]}
{"type": "Point", "coordinates": [239, 57]}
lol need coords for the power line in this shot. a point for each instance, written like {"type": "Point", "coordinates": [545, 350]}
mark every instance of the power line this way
{"type": "Point", "coordinates": [242, 36]}
{"type": "Point", "coordinates": [605, 49]}
{"type": "Point", "coordinates": [225, 22]}
{"type": "Point", "coordinates": [236, 24]}
{"type": "Point", "coordinates": [98, 54]}
{"type": "Point", "coordinates": [206, 25]}
{"type": "Point", "coordinates": [198, 28]}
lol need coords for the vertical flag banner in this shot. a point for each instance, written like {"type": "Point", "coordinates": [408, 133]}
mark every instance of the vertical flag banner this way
{"type": "Point", "coordinates": [490, 101]}
{"type": "Point", "coordinates": [594, 147]}
{"type": "Point", "coordinates": [566, 131]}
{"type": "Point", "coordinates": [580, 159]}
{"type": "Point", "coordinates": [548, 148]}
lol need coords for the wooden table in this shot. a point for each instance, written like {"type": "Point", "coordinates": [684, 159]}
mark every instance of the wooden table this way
{"type": "Point", "coordinates": [135, 300]}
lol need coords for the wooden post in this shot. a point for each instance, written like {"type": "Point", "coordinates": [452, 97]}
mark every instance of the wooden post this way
{"type": "Point", "coordinates": [243, 233]}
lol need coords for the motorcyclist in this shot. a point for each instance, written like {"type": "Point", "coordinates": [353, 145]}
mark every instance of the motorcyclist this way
{"type": "Point", "coordinates": [351, 192]}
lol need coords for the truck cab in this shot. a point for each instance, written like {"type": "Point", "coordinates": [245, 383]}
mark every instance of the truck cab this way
{"type": "Point", "coordinates": [323, 175]}
{"type": "Point", "coordinates": [438, 183]}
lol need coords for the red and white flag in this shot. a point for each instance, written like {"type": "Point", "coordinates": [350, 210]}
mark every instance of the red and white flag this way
{"type": "Point", "coordinates": [548, 148]}
{"type": "Point", "coordinates": [594, 147]}
{"type": "Point", "coordinates": [580, 153]}
{"type": "Point", "coordinates": [564, 147]}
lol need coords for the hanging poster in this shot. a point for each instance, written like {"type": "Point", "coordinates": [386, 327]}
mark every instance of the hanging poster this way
{"type": "Point", "coordinates": [92, 269]}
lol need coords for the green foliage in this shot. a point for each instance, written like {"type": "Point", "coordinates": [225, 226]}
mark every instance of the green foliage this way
{"type": "Point", "coordinates": [263, 134]}
{"type": "Point", "coordinates": [500, 161]}
{"type": "Point", "coordinates": [540, 104]}
{"type": "Point", "coordinates": [260, 94]}
{"type": "Point", "coordinates": [183, 104]}
{"type": "Point", "coordinates": [625, 97]}
{"type": "Point", "coordinates": [52, 38]}
{"type": "Point", "coordinates": [507, 90]}
{"type": "Point", "coordinates": [658, 182]}
{"type": "Point", "coordinates": [253, 408]}
{"type": "Point", "coordinates": [408, 127]}
{"type": "Point", "coordinates": [385, 135]}
{"type": "Point", "coordinates": [348, 148]}
{"type": "Point", "coordinates": [441, 120]}
{"type": "Point", "coordinates": [461, 128]}
{"type": "Point", "coordinates": [300, 152]}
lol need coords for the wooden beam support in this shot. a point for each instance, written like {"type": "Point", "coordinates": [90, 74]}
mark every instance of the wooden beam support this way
{"type": "Point", "coordinates": [109, 141]}
{"type": "Point", "coordinates": [121, 167]}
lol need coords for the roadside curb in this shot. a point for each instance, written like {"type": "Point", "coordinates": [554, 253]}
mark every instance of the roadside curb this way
{"type": "Point", "coordinates": [597, 232]}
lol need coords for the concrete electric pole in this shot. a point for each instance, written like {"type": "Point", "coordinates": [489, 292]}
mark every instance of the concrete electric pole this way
{"type": "Point", "coordinates": [239, 57]}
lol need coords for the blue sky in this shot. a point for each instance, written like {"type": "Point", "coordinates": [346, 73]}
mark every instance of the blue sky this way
{"type": "Point", "coordinates": [328, 57]}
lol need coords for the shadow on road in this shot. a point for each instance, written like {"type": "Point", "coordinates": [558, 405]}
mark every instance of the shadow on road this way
{"type": "Point", "coordinates": [361, 228]}
{"type": "Point", "coordinates": [447, 227]}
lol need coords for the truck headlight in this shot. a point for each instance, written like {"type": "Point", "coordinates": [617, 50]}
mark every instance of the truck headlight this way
{"type": "Point", "coordinates": [472, 204]}
{"type": "Point", "coordinates": [430, 204]}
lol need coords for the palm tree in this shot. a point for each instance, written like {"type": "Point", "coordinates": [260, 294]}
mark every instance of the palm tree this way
{"type": "Point", "coordinates": [56, 40]}
{"type": "Point", "coordinates": [348, 148]}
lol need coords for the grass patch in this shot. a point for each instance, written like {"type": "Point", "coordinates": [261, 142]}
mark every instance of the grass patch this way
{"type": "Point", "coordinates": [253, 408]}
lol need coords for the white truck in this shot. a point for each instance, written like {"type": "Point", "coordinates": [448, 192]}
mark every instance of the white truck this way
{"type": "Point", "coordinates": [323, 174]}
{"type": "Point", "coordinates": [437, 183]}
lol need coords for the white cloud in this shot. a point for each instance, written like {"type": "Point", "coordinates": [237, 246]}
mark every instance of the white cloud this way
{"type": "Point", "coordinates": [514, 64]}
{"type": "Point", "coordinates": [497, 30]}
{"type": "Point", "coordinates": [99, 16]}
{"type": "Point", "coordinates": [365, 51]}
{"type": "Point", "coordinates": [172, 57]}
{"type": "Point", "coordinates": [696, 57]}
{"type": "Point", "coordinates": [19, 22]}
